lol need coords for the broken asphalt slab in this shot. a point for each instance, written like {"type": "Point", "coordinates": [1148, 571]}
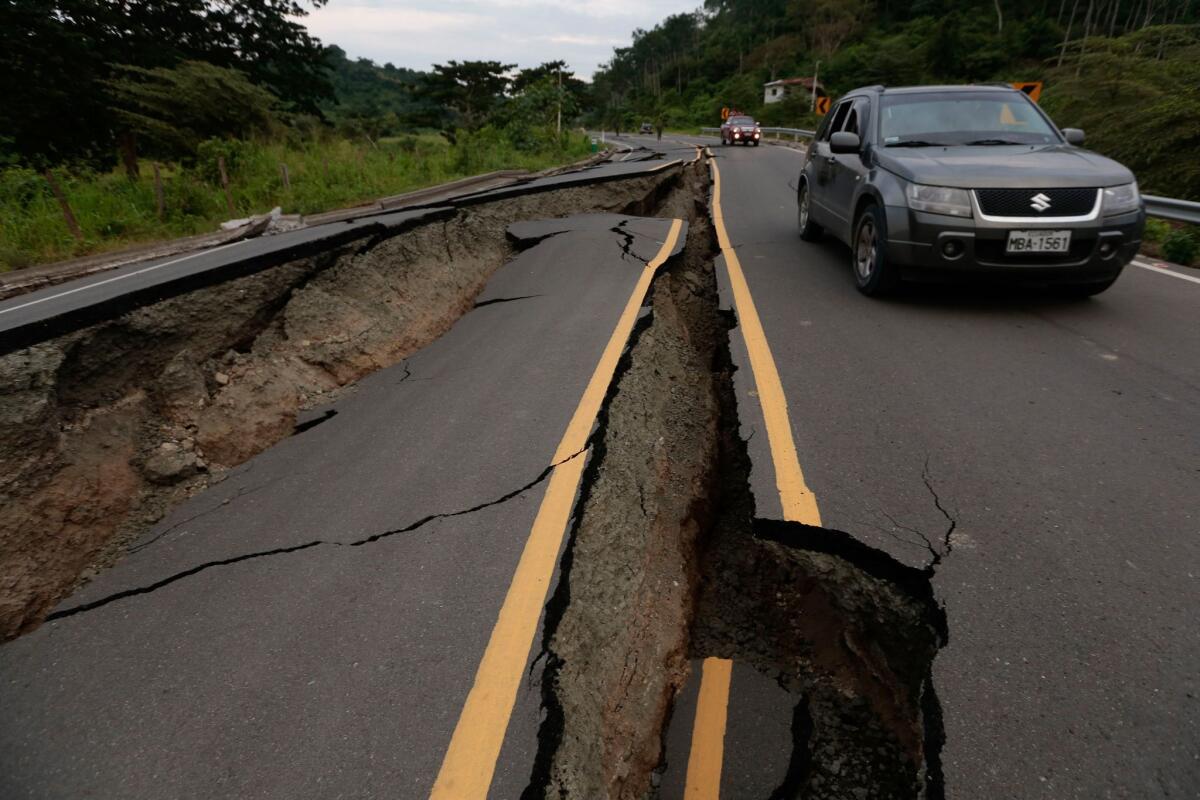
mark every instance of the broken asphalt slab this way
{"type": "Point", "coordinates": [35, 317]}
{"type": "Point", "coordinates": [599, 173]}
{"type": "Point", "coordinates": [640, 236]}
{"type": "Point", "coordinates": [318, 632]}
{"type": "Point", "coordinates": [40, 315]}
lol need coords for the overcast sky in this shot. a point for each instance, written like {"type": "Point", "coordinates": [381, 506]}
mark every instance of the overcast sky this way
{"type": "Point", "coordinates": [419, 33]}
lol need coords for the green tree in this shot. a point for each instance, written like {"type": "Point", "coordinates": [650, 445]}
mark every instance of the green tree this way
{"type": "Point", "coordinates": [532, 116]}
{"type": "Point", "coordinates": [363, 90]}
{"type": "Point", "coordinates": [173, 109]}
{"type": "Point", "coordinates": [1157, 91]}
{"type": "Point", "coordinates": [471, 90]}
{"type": "Point", "coordinates": [57, 58]}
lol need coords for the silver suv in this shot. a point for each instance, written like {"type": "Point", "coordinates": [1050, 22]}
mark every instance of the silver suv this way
{"type": "Point", "coordinates": [948, 182]}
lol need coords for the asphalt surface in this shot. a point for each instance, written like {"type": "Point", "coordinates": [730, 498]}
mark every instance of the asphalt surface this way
{"type": "Point", "coordinates": [1059, 441]}
{"type": "Point", "coordinates": [36, 316]}
{"type": "Point", "coordinates": [310, 626]}
{"type": "Point", "coordinates": [40, 315]}
{"type": "Point", "coordinates": [1063, 441]}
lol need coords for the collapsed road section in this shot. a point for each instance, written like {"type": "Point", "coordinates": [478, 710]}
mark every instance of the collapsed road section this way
{"type": "Point", "coordinates": [326, 606]}
{"type": "Point", "coordinates": [667, 564]}
{"type": "Point", "coordinates": [313, 622]}
{"type": "Point", "coordinates": [106, 426]}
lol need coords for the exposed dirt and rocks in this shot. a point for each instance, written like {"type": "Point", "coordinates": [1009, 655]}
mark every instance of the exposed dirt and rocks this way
{"type": "Point", "coordinates": [667, 564]}
{"type": "Point", "coordinates": [616, 643]}
{"type": "Point", "coordinates": [104, 429]}
{"type": "Point", "coordinates": [101, 431]}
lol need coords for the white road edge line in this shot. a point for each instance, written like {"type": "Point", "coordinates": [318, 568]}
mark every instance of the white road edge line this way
{"type": "Point", "coordinates": [1165, 271]}
{"type": "Point", "coordinates": [142, 271]}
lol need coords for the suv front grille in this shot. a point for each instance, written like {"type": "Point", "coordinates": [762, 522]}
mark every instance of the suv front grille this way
{"type": "Point", "coordinates": [1036, 203]}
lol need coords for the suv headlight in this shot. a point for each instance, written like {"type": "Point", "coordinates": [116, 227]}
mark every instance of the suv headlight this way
{"type": "Point", "coordinates": [939, 200]}
{"type": "Point", "coordinates": [1121, 199]}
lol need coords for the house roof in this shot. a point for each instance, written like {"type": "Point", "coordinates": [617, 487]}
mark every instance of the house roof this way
{"type": "Point", "coordinates": [807, 83]}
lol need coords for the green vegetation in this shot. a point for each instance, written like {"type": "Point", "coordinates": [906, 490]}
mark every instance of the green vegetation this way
{"type": "Point", "coordinates": [1127, 71]}
{"type": "Point", "coordinates": [58, 59]}
{"type": "Point", "coordinates": [1181, 246]}
{"type": "Point", "coordinates": [324, 174]}
{"type": "Point", "coordinates": [189, 83]}
{"type": "Point", "coordinates": [1156, 230]}
{"type": "Point", "coordinates": [92, 84]}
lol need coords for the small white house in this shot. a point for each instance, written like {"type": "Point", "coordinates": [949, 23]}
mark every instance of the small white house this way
{"type": "Point", "coordinates": [777, 91]}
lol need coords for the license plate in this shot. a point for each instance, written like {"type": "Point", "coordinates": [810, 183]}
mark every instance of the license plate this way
{"type": "Point", "coordinates": [1039, 241]}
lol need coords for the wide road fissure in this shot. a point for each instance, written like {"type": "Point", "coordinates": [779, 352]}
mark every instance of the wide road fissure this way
{"type": "Point", "coordinates": [1061, 443]}
{"type": "Point", "coordinates": [312, 626]}
{"type": "Point", "coordinates": [1048, 452]}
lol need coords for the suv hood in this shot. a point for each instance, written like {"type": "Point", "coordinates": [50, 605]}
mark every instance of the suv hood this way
{"type": "Point", "coordinates": [1003, 166]}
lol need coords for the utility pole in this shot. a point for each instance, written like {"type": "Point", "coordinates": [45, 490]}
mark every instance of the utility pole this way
{"type": "Point", "coordinates": [816, 72]}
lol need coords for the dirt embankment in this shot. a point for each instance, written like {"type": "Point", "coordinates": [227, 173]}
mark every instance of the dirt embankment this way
{"type": "Point", "coordinates": [102, 430]}
{"type": "Point", "coordinates": [667, 564]}
{"type": "Point", "coordinates": [617, 627]}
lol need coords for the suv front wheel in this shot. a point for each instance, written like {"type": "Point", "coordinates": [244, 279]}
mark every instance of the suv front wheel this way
{"type": "Point", "coordinates": [809, 230]}
{"type": "Point", "coordinates": [874, 273]}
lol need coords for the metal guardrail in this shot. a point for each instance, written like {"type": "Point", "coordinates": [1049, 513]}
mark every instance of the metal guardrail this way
{"type": "Point", "coordinates": [1161, 207]}
{"type": "Point", "coordinates": [1172, 209]}
{"type": "Point", "coordinates": [795, 133]}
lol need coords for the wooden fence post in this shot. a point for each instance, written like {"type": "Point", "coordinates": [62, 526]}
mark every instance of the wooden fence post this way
{"type": "Point", "coordinates": [72, 224]}
{"type": "Point", "coordinates": [283, 172]}
{"type": "Point", "coordinates": [225, 184]}
{"type": "Point", "coordinates": [159, 203]}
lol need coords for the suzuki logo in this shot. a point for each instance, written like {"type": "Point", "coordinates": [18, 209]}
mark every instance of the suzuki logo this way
{"type": "Point", "coordinates": [1039, 202]}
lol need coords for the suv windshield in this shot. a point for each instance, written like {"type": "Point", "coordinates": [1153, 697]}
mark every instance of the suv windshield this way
{"type": "Point", "coordinates": [962, 118]}
{"type": "Point", "coordinates": [741, 121]}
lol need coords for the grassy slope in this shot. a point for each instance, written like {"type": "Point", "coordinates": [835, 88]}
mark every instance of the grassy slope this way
{"type": "Point", "coordinates": [114, 212]}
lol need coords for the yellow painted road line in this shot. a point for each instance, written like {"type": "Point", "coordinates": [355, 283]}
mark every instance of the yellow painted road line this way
{"type": "Point", "coordinates": [470, 760]}
{"type": "Point", "coordinates": [708, 732]}
{"type": "Point", "coordinates": [799, 505]}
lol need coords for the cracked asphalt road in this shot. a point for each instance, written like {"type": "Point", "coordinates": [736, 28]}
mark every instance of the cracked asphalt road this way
{"type": "Point", "coordinates": [1041, 457]}
{"type": "Point", "coordinates": [310, 626]}
{"type": "Point", "coordinates": [1046, 452]}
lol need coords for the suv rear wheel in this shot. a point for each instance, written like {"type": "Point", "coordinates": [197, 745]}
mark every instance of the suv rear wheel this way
{"type": "Point", "coordinates": [874, 273]}
{"type": "Point", "coordinates": [809, 230]}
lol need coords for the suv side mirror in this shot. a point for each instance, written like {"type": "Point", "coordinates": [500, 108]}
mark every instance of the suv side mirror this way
{"type": "Point", "coordinates": [845, 142]}
{"type": "Point", "coordinates": [1074, 136]}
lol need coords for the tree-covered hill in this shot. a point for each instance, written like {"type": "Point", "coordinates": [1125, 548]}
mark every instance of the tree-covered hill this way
{"type": "Point", "coordinates": [1128, 71]}
{"type": "Point", "coordinates": [363, 91]}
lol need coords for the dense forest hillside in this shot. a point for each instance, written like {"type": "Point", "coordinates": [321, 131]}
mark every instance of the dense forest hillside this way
{"type": "Point", "coordinates": [154, 118]}
{"type": "Point", "coordinates": [1127, 71]}
{"type": "Point", "coordinates": [143, 119]}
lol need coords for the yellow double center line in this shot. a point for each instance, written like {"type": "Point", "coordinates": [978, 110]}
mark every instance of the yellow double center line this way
{"type": "Point", "coordinates": [703, 780]}
{"type": "Point", "coordinates": [470, 761]}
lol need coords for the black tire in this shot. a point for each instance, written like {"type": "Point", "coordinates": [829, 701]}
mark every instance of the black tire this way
{"type": "Point", "coordinates": [755, 144]}
{"type": "Point", "coordinates": [809, 230]}
{"type": "Point", "coordinates": [874, 273]}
